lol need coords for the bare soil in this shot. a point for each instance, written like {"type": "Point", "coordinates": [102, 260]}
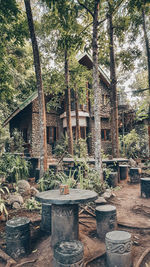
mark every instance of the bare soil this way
{"type": "Point", "coordinates": [133, 215]}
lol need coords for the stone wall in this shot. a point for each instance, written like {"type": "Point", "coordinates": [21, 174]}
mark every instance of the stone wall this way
{"type": "Point", "coordinates": [52, 119]}
{"type": "Point", "coordinates": [105, 120]}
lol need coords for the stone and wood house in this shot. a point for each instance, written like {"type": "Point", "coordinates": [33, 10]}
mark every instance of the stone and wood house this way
{"type": "Point", "coordinates": [26, 119]}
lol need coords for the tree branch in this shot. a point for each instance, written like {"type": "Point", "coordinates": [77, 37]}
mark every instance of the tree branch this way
{"type": "Point", "coordinates": [85, 28]}
{"type": "Point", "coordinates": [100, 22]}
{"type": "Point", "coordinates": [84, 6]}
{"type": "Point", "coordinates": [117, 6]}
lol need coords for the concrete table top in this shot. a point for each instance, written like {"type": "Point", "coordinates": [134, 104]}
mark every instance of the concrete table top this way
{"type": "Point", "coordinates": [145, 179]}
{"type": "Point", "coordinates": [75, 196]}
{"type": "Point", "coordinates": [92, 160]}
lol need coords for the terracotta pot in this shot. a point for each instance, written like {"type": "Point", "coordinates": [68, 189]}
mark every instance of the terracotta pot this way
{"type": "Point", "coordinates": [64, 189]}
{"type": "Point", "coordinates": [31, 180]}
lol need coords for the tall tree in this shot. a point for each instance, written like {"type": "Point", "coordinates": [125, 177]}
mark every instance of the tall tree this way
{"type": "Point", "coordinates": [147, 46]}
{"type": "Point", "coordinates": [42, 113]}
{"type": "Point", "coordinates": [63, 20]}
{"type": "Point", "coordinates": [113, 84]}
{"type": "Point", "coordinates": [92, 7]}
{"type": "Point", "coordinates": [139, 11]}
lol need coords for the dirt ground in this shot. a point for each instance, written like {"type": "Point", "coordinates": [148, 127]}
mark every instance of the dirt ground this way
{"type": "Point", "coordinates": [133, 215]}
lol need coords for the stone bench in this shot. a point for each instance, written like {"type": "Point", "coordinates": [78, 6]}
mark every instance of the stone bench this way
{"type": "Point", "coordinates": [145, 187]}
{"type": "Point", "coordinates": [118, 249]}
{"type": "Point", "coordinates": [68, 254]}
{"type": "Point", "coordinates": [46, 218]}
{"type": "Point", "coordinates": [18, 237]}
{"type": "Point", "coordinates": [135, 174]}
{"type": "Point", "coordinates": [106, 220]}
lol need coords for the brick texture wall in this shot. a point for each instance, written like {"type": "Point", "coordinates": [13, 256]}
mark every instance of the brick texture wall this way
{"type": "Point", "coordinates": [52, 119]}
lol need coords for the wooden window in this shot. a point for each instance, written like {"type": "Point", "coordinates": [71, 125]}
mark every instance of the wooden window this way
{"type": "Point", "coordinates": [52, 134]}
{"type": "Point", "coordinates": [83, 132]}
{"type": "Point", "coordinates": [105, 135]}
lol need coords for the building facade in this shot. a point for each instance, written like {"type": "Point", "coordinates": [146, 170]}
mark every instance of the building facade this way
{"type": "Point", "coordinates": [26, 119]}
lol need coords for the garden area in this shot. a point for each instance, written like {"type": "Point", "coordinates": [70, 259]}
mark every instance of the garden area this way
{"type": "Point", "coordinates": [18, 191]}
{"type": "Point", "coordinates": [74, 133]}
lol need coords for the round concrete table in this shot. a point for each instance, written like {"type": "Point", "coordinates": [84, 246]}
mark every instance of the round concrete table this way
{"type": "Point", "coordinates": [65, 212]}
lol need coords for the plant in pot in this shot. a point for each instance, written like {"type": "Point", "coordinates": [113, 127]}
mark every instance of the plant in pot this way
{"type": "Point", "coordinates": [66, 182]}
{"type": "Point", "coordinates": [3, 210]}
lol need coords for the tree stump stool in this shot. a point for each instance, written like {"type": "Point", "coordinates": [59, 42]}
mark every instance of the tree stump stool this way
{"type": "Point", "coordinates": [18, 237]}
{"type": "Point", "coordinates": [123, 169]}
{"type": "Point", "coordinates": [46, 218]}
{"type": "Point", "coordinates": [68, 254]}
{"type": "Point", "coordinates": [145, 187]}
{"type": "Point", "coordinates": [106, 219]}
{"type": "Point", "coordinates": [113, 179]}
{"type": "Point", "coordinates": [135, 174]}
{"type": "Point", "coordinates": [118, 249]}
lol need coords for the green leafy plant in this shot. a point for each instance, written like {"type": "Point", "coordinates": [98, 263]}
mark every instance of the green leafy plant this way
{"type": "Point", "coordinates": [52, 180]}
{"type": "Point", "coordinates": [48, 181]}
{"type": "Point", "coordinates": [135, 143]}
{"type": "Point", "coordinates": [67, 179]}
{"type": "Point", "coordinates": [3, 190]}
{"type": "Point", "coordinates": [3, 209]}
{"type": "Point", "coordinates": [15, 142]}
{"type": "Point", "coordinates": [14, 167]}
{"type": "Point", "coordinates": [32, 204]}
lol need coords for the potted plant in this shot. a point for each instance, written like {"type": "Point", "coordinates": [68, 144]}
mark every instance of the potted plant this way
{"type": "Point", "coordinates": [3, 210]}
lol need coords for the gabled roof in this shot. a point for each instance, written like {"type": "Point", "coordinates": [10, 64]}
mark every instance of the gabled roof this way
{"type": "Point", "coordinates": [86, 60]}
{"type": "Point", "coordinates": [21, 107]}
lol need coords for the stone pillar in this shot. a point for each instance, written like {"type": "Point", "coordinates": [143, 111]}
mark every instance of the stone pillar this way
{"type": "Point", "coordinates": [145, 187]}
{"type": "Point", "coordinates": [118, 249]}
{"type": "Point", "coordinates": [46, 218]}
{"type": "Point", "coordinates": [18, 237]}
{"type": "Point", "coordinates": [68, 254]}
{"type": "Point", "coordinates": [123, 172]}
{"type": "Point", "coordinates": [106, 219]}
{"type": "Point", "coordinates": [64, 223]}
{"type": "Point", "coordinates": [135, 174]}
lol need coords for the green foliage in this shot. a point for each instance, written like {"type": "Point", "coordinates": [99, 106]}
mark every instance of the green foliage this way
{"type": "Point", "coordinates": [134, 144]}
{"type": "Point", "coordinates": [48, 181]}
{"type": "Point", "coordinates": [3, 209]}
{"type": "Point", "coordinates": [15, 142]}
{"type": "Point", "coordinates": [80, 149]}
{"type": "Point", "coordinates": [88, 178]}
{"type": "Point", "coordinates": [52, 180]}
{"type": "Point", "coordinates": [62, 146]}
{"type": "Point", "coordinates": [13, 30]}
{"type": "Point", "coordinates": [13, 167]}
{"type": "Point", "coordinates": [3, 190]}
{"type": "Point", "coordinates": [31, 204]}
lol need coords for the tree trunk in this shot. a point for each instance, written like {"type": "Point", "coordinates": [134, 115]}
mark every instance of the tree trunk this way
{"type": "Point", "coordinates": [97, 93]}
{"type": "Point", "coordinates": [42, 113]}
{"type": "Point", "coordinates": [78, 134]}
{"type": "Point", "coordinates": [68, 109]}
{"type": "Point", "coordinates": [90, 150]}
{"type": "Point", "coordinates": [148, 66]}
{"type": "Point", "coordinates": [113, 90]}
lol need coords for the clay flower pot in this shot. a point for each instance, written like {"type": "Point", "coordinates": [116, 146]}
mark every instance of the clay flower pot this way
{"type": "Point", "coordinates": [31, 180]}
{"type": "Point", "coordinates": [64, 189]}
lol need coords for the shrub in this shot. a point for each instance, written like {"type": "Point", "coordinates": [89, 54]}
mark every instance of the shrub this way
{"type": "Point", "coordinates": [13, 168]}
